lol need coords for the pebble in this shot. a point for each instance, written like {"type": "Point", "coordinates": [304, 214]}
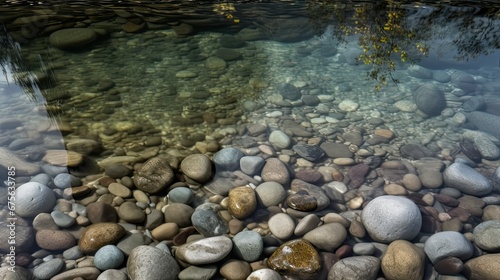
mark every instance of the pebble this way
{"type": "Point", "coordinates": [248, 245]}
{"type": "Point", "coordinates": [251, 165]}
{"type": "Point", "coordinates": [98, 235]}
{"type": "Point", "coordinates": [327, 237]}
{"type": "Point", "coordinates": [403, 260]}
{"type": "Point", "coordinates": [149, 180]}
{"type": "Point", "coordinates": [198, 273]}
{"type": "Point", "coordinates": [227, 159]}
{"type": "Point", "coordinates": [447, 244]}
{"type": "Point", "coordinates": [131, 213]}
{"type": "Point", "coordinates": [112, 274]}
{"type": "Point", "coordinates": [198, 167]}
{"type": "Point", "coordinates": [116, 171]}
{"type": "Point", "coordinates": [270, 193]}
{"type": "Point", "coordinates": [449, 266]}
{"type": "Point", "coordinates": [309, 152]}
{"type": "Point", "coordinates": [279, 139]}
{"type": "Point", "coordinates": [235, 269]}
{"type": "Point", "coordinates": [348, 105]}
{"type": "Point", "coordinates": [54, 240]}
{"type": "Point", "coordinates": [296, 258]}
{"type": "Point", "coordinates": [364, 267]}
{"type": "Point", "coordinates": [306, 224]}
{"type": "Point", "coordinates": [302, 202]}
{"type": "Point", "coordinates": [264, 274]}
{"type": "Point", "coordinates": [99, 212]}
{"type": "Point", "coordinates": [44, 221]}
{"type": "Point", "coordinates": [178, 213]}
{"type": "Point", "coordinates": [48, 269]}
{"type": "Point", "coordinates": [157, 264]}
{"type": "Point", "coordinates": [281, 225]}
{"type": "Point", "coordinates": [166, 231]}
{"type": "Point", "coordinates": [63, 158]}
{"type": "Point", "coordinates": [181, 195]}
{"type": "Point", "coordinates": [466, 180]}
{"type": "Point", "coordinates": [72, 253]}
{"type": "Point", "coordinates": [322, 199]}
{"type": "Point", "coordinates": [363, 249]}
{"type": "Point", "coordinates": [487, 236]}
{"type": "Point", "coordinates": [242, 202]}
{"type": "Point", "coordinates": [389, 218]}
{"type": "Point", "coordinates": [275, 170]}
{"type": "Point", "coordinates": [208, 223]}
{"type": "Point", "coordinates": [483, 267]}
{"type": "Point", "coordinates": [65, 180]}
{"type": "Point", "coordinates": [205, 251]}
{"type": "Point", "coordinates": [119, 190]}
{"type": "Point", "coordinates": [34, 198]}
{"type": "Point", "coordinates": [61, 219]}
{"type": "Point", "coordinates": [108, 257]}
{"type": "Point", "coordinates": [78, 273]}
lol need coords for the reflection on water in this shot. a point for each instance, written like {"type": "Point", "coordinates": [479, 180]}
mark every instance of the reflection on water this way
{"type": "Point", "coordinates": [329, 104]}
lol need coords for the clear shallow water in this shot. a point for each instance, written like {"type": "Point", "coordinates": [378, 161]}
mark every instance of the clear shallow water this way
{"type": "Point", "coordinates": [198, 75]}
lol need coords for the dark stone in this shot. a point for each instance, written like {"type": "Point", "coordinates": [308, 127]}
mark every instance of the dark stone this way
{"type": "Point", "coordinates": [447, 200]}
{"type": "Point", "coordinates": [228, 41]}
{"type": "Point", "coordinates": [105, 85]}
{"type": "Point", "coordinates": [449, 266]}
{"type": "Point", "coordinates": [209, 223]}
{"type": "Point", "coordinates": [357, 174]}
{"type": "Point", "coordinates": [302, 202]}
{"type": "Point", "coordinates": [469, 149]}
{"type": "Point", "coordinates": [485, 122]}
{"type": "Point", "coordinates": [227, 54]}
{"type": "Point", "coordinates": [117, 171]}
{"type": "Point", "coordinates": [289, 91]}
{"type": "Point", "coordinates": [416, 151]}
{"type": "Point", "coordinates": [310, 100]}
{"type": "Point", "coordinates": [154, 175]}
{"type": "Point", "coordinates": [429, 99]}
{"type": "Point", "coordinates": [99, 212]}
{"type": "Point", "coordinates": [309, 175]}
{"type": "Point", "coordinates": [309, 152]}
{"type": "Point", "coordinates": [476, 103]}
{"type": "Point", "coordinates": [463, 81]}
{"type": "Point", "coordinates": [336, 150]}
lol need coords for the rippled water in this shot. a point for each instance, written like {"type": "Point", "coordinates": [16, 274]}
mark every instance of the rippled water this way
{"type": "Point", "coordinates": [177, 78]}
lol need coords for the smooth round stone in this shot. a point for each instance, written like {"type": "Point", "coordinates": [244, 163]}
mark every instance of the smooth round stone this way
{"type": "Point", "coordinates": [275, 170]}
{"type": "Point", "coordinates": [448, 244]}
{"type": "Point", "coordinates": [198, 273]}
{"type": "Point", "coordinates": [157, 264]}
{"type": "Point", "coordinates": [264, 274]}
{"type": "Point", "coordinates": [131, 213]}
{"type": "Point", "coordinates": [181, 195]}
{"type": "Point", "coordinates": [208, 223]}
{"type": "Point", "coordinates": [54, 240]}
{"type": "Point", "coordinates": [403, 260]}
{"type": "Point", "coordinates": [327, 237]}
{"type": "Point", "coordinates": [119, 190]}
{"type": "Point", "coordinates": [242, 202]}
{"type": "Point", "coordinates": [491, 212]}
{"type": "Point", "coordinates": [306, 224]}
{"type": "Point", "coordinates": [179, 213]}
{"type": "Point", "coordinates": [99, 212]}
{"type": "Point", "coordinates": [149, 180]}
{"type": "Point", "coordinates": [348, 105]}
{"type": "Point", "coordinates": [270, 194]}
{"type": "Point", "coordinates": [251, 165]}
{"type": "Point", "coordinates": [88, 272]}
{"type": "Point", "coordinates": [297, 258]}
{"type": "Point", "coordinates": [108, 257]}
{"type": "Point", "coordinates": [363, 267]}
{"type": "Point", "coordinates": [227, 159]}
{"type": "Point", "coordinates": [205, 251]}
{"type": "Point", "coordinates": [412, 182]}
{"type": "Point", "coordinates": [281, 225]}
{"type": "Point", "coordinates": [431, 179]}
{"type": "Point", "coordinates": [41, 178]}
{"type": "Point", "coordinates": [302, 202]}
{"type": "Point", "coordinates": [279, 139]}
{"type": "Point", "coordinates": [467, 180]}
{"type": "Point", "coordinates": [483, 267]}
{"type": "Point", "coordinates": [309, 152]}
{"type": "Point", "coordinates": [72, 253]}
{"type": "Point", "coordinates": [98, 235]}
{"type": "Point", "coordinates": [44, 221]}
{"type": "Point", "coordinates": [388, 218]}
{"type": "Point", "coordinates": [235, 269]}
{"type": "Point", "coordinates": [65, 180]}
{"type": "Point", "coordinates": [72, 38]}
{"type": "Point", "coordinates": [116, 171]}
{"type": "Point", "coordinates": [449, 266]}
{"type": "Point", "coordinates": [61, 219]}
{"type": "Point", "coordinates": [363, 249]}
{"type": "Point", "coordinates": [395, 189]}
{"type": "Point", "coordinates": [141, 196]}
{"type": "Point", "coordinates": [112, 274]}
{"type": "Point", "coordinates": [197, 167]}
{"type": "Point", "coordinates": [248, 245]}
{"type": "Point", "coordinates": [487, 236]}
{"type": "Point", "coordinates": [48, 269]}
{"type": "Point", "coordinates": [34, 198]}
{"type": "Point", "coordinates": [165, 231]}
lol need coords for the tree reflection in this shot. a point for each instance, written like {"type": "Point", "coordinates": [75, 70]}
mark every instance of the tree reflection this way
{"type": "Point", "coordinates": [394, 32]}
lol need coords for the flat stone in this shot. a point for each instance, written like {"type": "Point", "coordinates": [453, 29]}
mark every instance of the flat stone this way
{"type": "Point", "coordinates": [48, 269]}
{"type": "Point", "coordinates": [131, 213]}
{"type": "Point", "coordinates": [302, 202]}
{"type": "Point", "coordinates": [55, 240]}
{"type": "Point", "coordinates": [63, 158]}
{"type": "Point", "coordinates": [198, 273]}
{"type": "Point", "coordinates": [281, 225]}
{"type": "Point", "coordinates": [296, 258]}
{"type": "Point", "coordinates": [279, 139]}
{"type": "Point", "coordinates": [61, 219]}
{"type": "Point", "coordinates": [99, 212]}
{"type": "Point", "coordinates": [98, 235]}
{"type": "Point", "coordinates": [270, 193]}
{"type": "Point", "coordinates": [248, 245]}
{"type": "Point", "coordinates": [205, 251]}
{"type": "Point", "coordinates": [487, 236]}
{"type": "Point", "coordinates": [119, 190]}
{"type": "Point", "coordinates": [449, 266]}
{"type": "Point", "coordinates": [153, 262]}
{"type": "Point", "coordinates": [23, 168]}
{"type": "Point", "coordinates": [467, 180]}
{"type": "Point", "coordinates": [112, 274]}
{"type": "Point", "coordinates": [264, 274]}
{"type": "Point", "coordinates": [227, 159]}
{"type": "Point", "coordinates": [275, 170]}
{"type": "Point", "coordinates": [235, 269]}
{"type": "Point", "coordinates": [165, 231]}
{"type": "Point", "coordinates": [208, 223]}
{"type": "Point", "coordinates": [336, 150]}
{"type": "Point", "coordinates": [322, 199]}
{"type": "Point", "coordinates": [72, 38]}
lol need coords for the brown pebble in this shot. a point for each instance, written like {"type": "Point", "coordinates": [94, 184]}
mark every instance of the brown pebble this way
{"type": "Point", "coordinates": [449, 266]}
{"type": "Point", "coordinates": [98, 235]}
{"type": "Point", "coordinates": [242, 202]}
{"type": "Point", "coordinates": [446, 200]}
{"type": "Point", "coordinates": [491, 212]}
{"type": "Point", "coordinates": [105, 181]}
{"type": "Point", "coordinates": [235, 226]}
{"type": "Point", "coordinates": [429, 224]}
{"type": "Point", "coordinates": [23, 259]}
{"type": "Point", "coordinates": [357, 229]}
{"type": "Point", "coordinates": [182, 236]}
{"type": "Point", "coordinates": [395, 189]}
{"type": "Point", "coordinates": [79, 192]}
{"type": "Point", "coordinates": [344, 251]}
{"type": "Point", "coordinates": [165, 231]}
{"type": "Point", "coordinates": [309, 175]}
{"type": "Point", "coordinates": [235, 270]}
{"type": "Point", "coordinates": [460, 213]}
{"type": "Point", "coordinates": [296, 258]}
{"type": "Point", "coordinates": [99, 212]}
{"type": "Point", "coordinates": [412, 182]}
{"type": "Point", "coordinates": [454, 224]}
{"type": "Point", "coordinates": [54, 240]}
{"type": "Point", "coordinates": [80, 272]}
{"type": "Point", "coordinates": [302, 202]}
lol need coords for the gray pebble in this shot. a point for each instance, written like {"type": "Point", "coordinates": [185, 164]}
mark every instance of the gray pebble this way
{"type": "Point", "coordinates": [248, 245]}
{"type": "Point", "coordinates": [48, 269]}
{"type": "Point", "coordinates": [65, 180]}
{"type": "Point", "coordinates": [61, 219]}
{"type": "Point", "coordinates": [108, 257]}
{"type": "Point", "coordinates": [448, 244]}
{"type": "Point", "coordinates": [112, 274]}
{"type": "Point", "coordinates": [72, 253]}
{"type": "Point", "coordinates": [181, 195]}
{"type": "Point", "coordinates": [363, 249]}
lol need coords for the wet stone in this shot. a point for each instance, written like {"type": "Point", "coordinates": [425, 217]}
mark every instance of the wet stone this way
{"type": "Point", "coordinates": [98, 235]}
{"type": "Point", "coordinates": [322, 199]}
{"type": "Point", "coordinates": [302, 202]}
{"type": "Point", "coordinates": [198, 273]}
{"type": "Point", "coordinates": [296, 258]}
{"type": "Point", "coordinates": [55, 240]}
{"type": "Point", "coordinates": [449, 266]}
{"type": "Point", "coordinates": [242, 202]}
{"type": "Point", "coordinates": [48, 269]}
{"type": "Point", "coordinates": [131, 213]}
{"type": "Point", "coordinates": [364, 267]}
{"type": "Point", "coordinates": [205, 251]}
{"type": "Point", "coordinates": [276, 171]}
{"type": "Point", "coordinates": [357, 174]}
{"type": "Point", "coordinates": [208, 223]}
{"type": "Point", "coordinates": [153, 262]}
{"type": "Point", "coordinates": [309, 152]}
{"type": "Point", "coordinates": [197, 167]}
{"type": "Point", "coordinates": [149, 180]}
{"type": "Point", "coordinates": [99, 212]}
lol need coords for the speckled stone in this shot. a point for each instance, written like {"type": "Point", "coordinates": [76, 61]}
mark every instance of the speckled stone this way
{"type": "Point", "coordinates": [157, 264]}
{"type": "Point", "coordinates": [209, 223]}
{"type": "Point", "coordinates": [235, 269]}
{"type": "Point", "coordinates": [281, 225]}
{"type": "Point", "coordinates": [296, 258]}
{"type": "Point", "coordinates": [302, 202]}
{"type": "Point", "coordinates": [275, 170]}
{"type": "Point", "coordinates": [205, 251]}
{"type": "Point", "coordinates": [403, 260]}
{"type": "Point", "coordinates": [55, 240]}
{"type": "Point", "coordinates": [75, 273]}
{"type": "Point", "coordinates": [363, 267]}
{"type": "Point", "coordinates": [242, 202]}
{"type": "Point", "coordinates": [108, 257]}
{"type": "Point", "coordinates": [98, 235]}
{"type": "Point", "coordinates": [483, 267]}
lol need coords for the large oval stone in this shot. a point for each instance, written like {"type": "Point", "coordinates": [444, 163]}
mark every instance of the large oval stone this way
{"type": "Point", "coordinates": [98, 235]}
{"type": "Point", "coordinates": [197, 167]}
{"type": "Point", "coordinates": [33, 198]}
{"type": "Point", "coordinates": [296, 258]}
{"type": "Point", "coordinates": [147, 262]}
{"type": "Point", "coordinates": [72, 38]}
{"type": "Point", "coordinates": [448, 244]}
{"type": "Point", "coordinates": [275, 171]}
{"type": "Point", "coordinates": [242, 202]}
{"type": "Point", "coordinates": [483, 267]}
{"type": "Point", "coordinates": [403, 260]}
{"type": "Point", "coordinates": [359, 267]}
{"type": "Point", "coordinates": [154, 175]}
{"type": "Point", "coordinates": [205, 251]}
{"type": "Point", "coordinates": [466, 179]}
{"type": "Point", "coordinates": [327, 237]}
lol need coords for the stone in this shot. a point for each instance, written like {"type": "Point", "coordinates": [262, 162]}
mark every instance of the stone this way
{"type": "Point", "coordinates": [296, 258]}
{"type": "Point", "coordinates": [388, 218]}
{"type": "Point", "coordinates": [357, 174]}
{"type": "Point", "coordinates": [275, 170]}
{"type": "Point", "coordinates": [55, 240]}
{"type": "Point", "coordinates": [363, 249]}
{"type": "Point", "coordinates": [309, 152]}
{"type": "Point", "coordinates": [429, 99]}
{"type": "Point", "coordinates": [78, 273]}
{"type": "Point", "coordinates": [322, 199]}
{"type": "Point", "coordinates": [403, 260]}
{"type": "Point", "coordinates": [336, 150]}
{"type": "Point", "coordinates": [165, 231]}
{"type": "Point", "coordinates": [116, 171]}
{"type": "Point", "coordinates": [198, 273]}
{"type": "Point", "coordinates": [112, 274]}
{"type": "Point", "coordinates": [65, 180]}
{"type": "Point", "coordinates": [208, 223]}
{"type": "Point", "coordinates": [99, 235]}
{"type": "Point", "coordinates": [227, 159]}
{"type": "Point", "coordinates": [327, 237]}
{"type": "Point", "coordinates": [132, 240]}
{"type": "Point", "coordinates": [486, 147]}
{"type": "Point", "coordinates": [279, 139]}
{"type": "Point", "coordinates": [131, 213]}
{"type": "Point", "coordinates": [235, 269]}
{"type": "Point", "coordinates": [228, 54]}
{"type": "Point", "coordinates": [61, 219]}
{"type": "Point", "coordinates": [483, 267]}
{"type": "Point", "coordinates": [491, 212]}
{"type": "Point", "coordinates": [178, 213]}
{"type": "Point", "coordinates": [406, 106]}
{"type": "Point", "coordinates": [264, 274]}
{"type": "Point", "coordinates": [48, 269]}
{"type": "Point", "coordinates": [447, 244]}
{"type": "Point", "coordinates": [289, 91]}
{"type": "Point", "coordinates": [466, 179]}
{"type": "Point", "coordinates": [233, 42]}
{"type": "Point", "coordinates": [348, 105]}
{"type": "Point", "coordinates": [63, 158]}
{"type": "Point", "coordinates": [306, 224]}
{"type": "Point", "coordinates": [154, 175]}
{"type": "Point", "coordinates": [99, 212]}
{"type": "Point", "coordinates": [197, 167]}
{"type": "Point", "coordinates": [108, 257]}
{"type": "Point", "coordinates": [419, 72]}
{"type": "Point", "coordinates": [72, 38]}
{"type": "Point", "coordinates": [19, 273]}
{"type": "Point", "coordinates": [181, 195]}
{"type": "Point", "coordinates": [215, 63]}
{"type": "Point", "coordinates": [248, 245]}
{"type": "Point", "coordinates": [302, 202]}
{"type": "Point", "coordinates": [487, 236]}
{"type": "Point", "coordinates": [34, 198]}
{"type": "Point", "coordinates": [157, 264]}
{"type": "Point", "coordinates": [24, 237]}
{"type": "Point", "coordinates": [23, 167]}
{"type": "Point", "coordinates": [119, 190]}
{"type": "Point", "coordinates": [449, 266]}
{"type": "Point", "coordinates": [431, 179]}
{"type": "Point", "coordinates": [352, 268]}
{"type": "Point", "coordinates": [83, 146]}
{"type": "Point", "coordinates": [242, 202]}
{"type": "Point", "coordinates": [270, 193]}
{"type": "Point", "coordinates": [485, 122]}
{"type": "Point", "coordinates": [415, 151]}
{"type": "Point", "coordinates": [72, 253]}
{"type": "Point", "coordinates": [251, 165]}
{"type": "Point", "coordinates": [281, 225]}
{"type": "Point", "coordinates": [205, 251]}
